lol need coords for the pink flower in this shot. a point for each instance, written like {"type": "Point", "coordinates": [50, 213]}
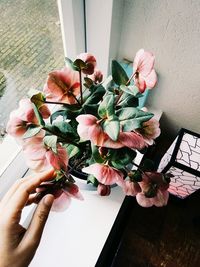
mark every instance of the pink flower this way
{"type": "Point", "coordinates": [62, 85]}
{"type": "Point", "coordinates": [145, 75]}
{"type": "Point", "coordinates": [130, 188]}
{"type": "Point", "coordinates": [15, 126]}
{"type": "Point", "coordinates": [150, 130]}
{"type": "Point", "coordinates": [90, 129]}
{"type": "Point", "coordinates": [103, 190]}
{"type": "Point", "coordinates": [39, 157]}
{"type": "Point", "coordinates": [159, 200]}
{"type": "Point", "coordinates": [105, 174]}
{"type": "Point", "coordinates": [90, 61]}
{"type": "Point", "coordinates": [22, 117]}
{"type": "Point", "coordinates": [63, 199]}
{"type": "Point", "coordinates": [97, 76]}
{"type": "Point", "coordinates": [153, 184]}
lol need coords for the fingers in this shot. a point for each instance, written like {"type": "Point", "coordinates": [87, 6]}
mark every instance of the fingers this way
{"type": "Point", "coordinates": [32, 199]}
{"type": "Point", "coordinates": [34, 232]}
{"type": "Point", "coordinates": [19, 182]}
{"type": "Point", "coordinates": [22, 191]}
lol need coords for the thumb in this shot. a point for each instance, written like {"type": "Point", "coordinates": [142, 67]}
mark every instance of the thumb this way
{"type": "Point", "coordinates": [36, 227]}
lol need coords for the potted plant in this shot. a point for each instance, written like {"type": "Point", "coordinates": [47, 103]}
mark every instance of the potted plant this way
{"type": "Point", "coordinates": [93, 130]}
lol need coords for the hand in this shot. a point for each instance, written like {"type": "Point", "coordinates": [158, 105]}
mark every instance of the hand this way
{"type": "Point", "coordinates": [18, 245]}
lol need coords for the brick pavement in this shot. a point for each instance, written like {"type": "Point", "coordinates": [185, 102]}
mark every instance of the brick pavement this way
{"type": "Point", "coordinates": [30, 47]}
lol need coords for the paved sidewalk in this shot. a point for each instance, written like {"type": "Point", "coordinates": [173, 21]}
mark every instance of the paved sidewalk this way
{"type": "Point", "coordinates": [30, 47]}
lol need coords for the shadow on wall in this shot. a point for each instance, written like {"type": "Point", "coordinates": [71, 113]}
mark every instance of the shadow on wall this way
{"type": "Point", "coordinates": [168, 133]}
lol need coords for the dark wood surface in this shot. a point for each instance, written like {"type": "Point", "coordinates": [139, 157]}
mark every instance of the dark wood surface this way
{"type": "Point", "coordinates": [161, 237]}
{"type": "Point", "coordinates": [155, 237]}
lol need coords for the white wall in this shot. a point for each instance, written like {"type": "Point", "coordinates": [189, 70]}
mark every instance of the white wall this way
{"type": "Point", "coordinates": [170, 29]}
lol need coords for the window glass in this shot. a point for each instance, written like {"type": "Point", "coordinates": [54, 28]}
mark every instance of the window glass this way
{"type": "Point", "coordinates": [30, 47]}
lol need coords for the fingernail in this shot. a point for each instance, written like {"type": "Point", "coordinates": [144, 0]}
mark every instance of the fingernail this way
{"type": "Point", "coordinates": [48, 200]}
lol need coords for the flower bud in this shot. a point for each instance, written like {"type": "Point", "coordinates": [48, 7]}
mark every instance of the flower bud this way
{"type": "Point", "coordinates": [97, 76]}
{"type": "Point", "coordinates": [71, 188]}
{"type": "Point", "coordinates": [90, 61]}
{"type": "Point", "coordinates": [103, 190]}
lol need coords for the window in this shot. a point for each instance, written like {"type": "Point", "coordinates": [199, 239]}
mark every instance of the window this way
{"type": "Point", "coordinates": [30, 47]}
{"type": "Point", "coordinates": [38, 30]}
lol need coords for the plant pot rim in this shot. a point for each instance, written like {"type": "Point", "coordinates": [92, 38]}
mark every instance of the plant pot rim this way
{"type": "Point", "coordinates": [79, 174]}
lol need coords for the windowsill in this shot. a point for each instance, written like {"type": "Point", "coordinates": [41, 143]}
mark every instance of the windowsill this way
{"type": "Point", "coordinates": [8, 151]}
{"type": "Point", "coordinates": [76, 236]}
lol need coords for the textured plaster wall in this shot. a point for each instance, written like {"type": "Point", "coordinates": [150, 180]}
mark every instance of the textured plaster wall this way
{"type": "Point", "coordinates": [170, 29]}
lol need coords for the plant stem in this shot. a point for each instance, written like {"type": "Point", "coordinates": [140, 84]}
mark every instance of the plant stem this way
{"type": "Point", "coordinates": [76, 100]}
{"type": "Point", "coordinates": [54, 102]}
{"type": "Point", "coordinates": [140, 169]}
{"type": "Point", "coordinates": [130, 78]}
{"type": "Point", "coordinates": [121, 93]}
{"type": "Point", "coordinates": [61, 103]}
{"type": "Point", "coordinates": [81, 89]}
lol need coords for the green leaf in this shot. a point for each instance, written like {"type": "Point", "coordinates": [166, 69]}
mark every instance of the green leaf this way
{"type": "Point", "coordinates": [130, 125]}
{"type": "Point", "coordinates": [36, 97]}
{"type": "Point", "coordinates": [96, 95]}
{"type": "Point", "coordinates": [132, 118]}
{"type": "Point", "coordinates": [91, 179]}
{"type": "Point", "coordinates": [135, 176]}
{"type": "Point", "coordinates": [67, 113]}
{"type": "Point", "coordinates": [118, 73]}
{"type": "Point", "coordinates": [91, 109]}
{"type": "Point", "coordinates": [127, 113]}
{"type": "Point", "coordinates": [70, 64]}
{"type": "Point", "coordinates": [65, 129]}
{"type": "Point", "coordinates": [128, 100]}
{"type": "Point", "coordinates": [106, 107]}
{"type": "Point", "coordinates": [80, 64]}
{"type": "Point", "coordinates": [51, 141]}
{"type": "Point", "coordinates": [38, 115]}
{"type": "Point", "coordinates": [72, 150]}
{"type": "Point", "coordinates": [32, 131]}
{"type": "Point", "coordinates": [132, 90]}
{"type": "Point", "coordinates": [112, 127]}
{"type": "Point", "coordinates": [96, 155]}
{"type": "Point", "coordinates": [122, 157]}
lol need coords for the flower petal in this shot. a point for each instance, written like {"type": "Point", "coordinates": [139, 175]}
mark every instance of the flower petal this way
{"type": "Point", "coordinates": [137, 59]}
{"type": "Point", "coordinates": [105, 174]}
{"type": "Point", "coordinates": [87, 119]}
{"type": "Point", "coordinates": [161, 198]}
{"type": "Point", "coordinates": [132, 140]}
{"type": "Point", "coordinates": [140, 83]}
{"type": "Point", "coordinates": [61, 203]}
{"type": "Point", "coordinates": [16, 127]}
{"type": "Point", "coordinates": [144, 61]}
{"type": "Point", "coordinates": [130, 188]}
{"type": "Point", "coordinates": [144, 201]}
{"type": "Point", "coordinates": [59, 83]}
{"type": "Point", "coordinates": [58, 160]}
{"type": "Point", "coordinates": [151, 79]}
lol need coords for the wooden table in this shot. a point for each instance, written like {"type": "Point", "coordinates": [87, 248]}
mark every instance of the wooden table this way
{"type": "Point", "coordinates": [157, 237]}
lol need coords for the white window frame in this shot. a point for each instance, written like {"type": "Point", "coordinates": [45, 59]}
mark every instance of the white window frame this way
{"type": "Point", "coordinates": [80, 33]}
